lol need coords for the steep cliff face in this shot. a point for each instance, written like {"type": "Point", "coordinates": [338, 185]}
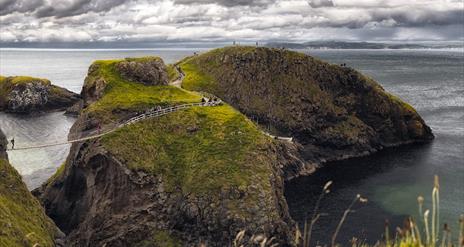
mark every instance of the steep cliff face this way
{"type": "Point", "coordinates": [21, 94]}
{"type": "Point", "coordinates": [3, 146]}
{"type": "Point", "coordinates": [22, 219]}
{"type": "Point", "coordinates": [197, 175]}
{"type": "Point", "coordinates": [335, 112]}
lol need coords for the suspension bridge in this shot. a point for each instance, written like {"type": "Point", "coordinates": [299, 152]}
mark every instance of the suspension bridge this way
{"type": "Point", "coordinates": [97, 133]}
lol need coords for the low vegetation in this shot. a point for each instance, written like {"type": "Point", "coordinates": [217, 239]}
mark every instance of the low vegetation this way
{"type": "Point", "coordinates": [173, 74]}
{"type": "Point", "coordinates": [22, 220]}
{"type": "Point", "coordinates": [122, 95]}
{"type": "Point", "coordinates": [202, 150]}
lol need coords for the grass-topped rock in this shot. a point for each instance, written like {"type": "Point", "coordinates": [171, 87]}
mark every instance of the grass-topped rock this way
{"type": "Point", "coordinates": [197, 175]}
{"type": "Point", "coordinates": [335, 112]}
{"type": "Point", "coordinates": [22, 219]}
{"type": "Point", "coordinates": [23, 94]}
{"type": "Point", "coordinates": [145, 70]}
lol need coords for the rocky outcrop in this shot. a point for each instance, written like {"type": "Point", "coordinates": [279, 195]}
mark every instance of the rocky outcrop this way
{"type": "Point", "coordinates": [3, 146]}
{"type": "Point", "coordinates": [196, 176]}
{"type": "Point", "coordinates": [148, 70]}
{"type": "Point", "coordinates": [22, 219]}
{"type": "Point", "coordinates": [334, 112]}
{"type": "Point", "coordinates": [26, 95]}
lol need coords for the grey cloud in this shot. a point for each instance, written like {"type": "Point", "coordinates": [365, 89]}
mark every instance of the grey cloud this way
{"type": "Point", "coordinates": [320, 3]}
{"type": "Point", "coordinates": [21, 6]}
{"type": "Point", "coordinates": [227, 3]}
{"type": "Point", "coordinates": [77, 7]}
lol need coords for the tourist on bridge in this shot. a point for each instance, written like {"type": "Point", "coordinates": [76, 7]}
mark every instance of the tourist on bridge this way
{"type": "Point", "coordinates": [12, 143]}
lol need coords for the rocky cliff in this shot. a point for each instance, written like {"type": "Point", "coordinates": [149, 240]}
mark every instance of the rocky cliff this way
{"type": "Point", "coordinates": [21, 94]}
{"type": "Point", "coordinates": [334, 112]}
{"type": "Point", "coordinates": [22, 219]}
{"type": "Point", "coordinates": [195, 176]}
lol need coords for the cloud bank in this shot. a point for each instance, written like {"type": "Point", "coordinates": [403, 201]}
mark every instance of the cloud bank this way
{"type": "Point", "coordinates": [225, 20]}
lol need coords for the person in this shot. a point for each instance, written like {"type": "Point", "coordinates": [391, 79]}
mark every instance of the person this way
{"type": "Point", "coordinates": [12, 143]}
{"type": "Point", "coordinates": [99, 128]}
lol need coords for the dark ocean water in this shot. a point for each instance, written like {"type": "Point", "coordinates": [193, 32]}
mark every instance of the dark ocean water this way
{"type": "Point", "coordinates": [431, 80]}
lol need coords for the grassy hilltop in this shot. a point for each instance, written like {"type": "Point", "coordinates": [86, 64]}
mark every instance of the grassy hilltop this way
{"type": "Point", "coordinates": [334, 111]}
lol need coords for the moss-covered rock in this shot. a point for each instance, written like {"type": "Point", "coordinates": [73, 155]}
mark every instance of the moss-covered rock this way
{"type": "Point", "coordinates": [22, 219]}
{"type": "Point", "coordinates": [335, 112]}
{"type": "Point", "coordinates": [23, 94]}
{"type": "Point", "coordinates": [200, 174]}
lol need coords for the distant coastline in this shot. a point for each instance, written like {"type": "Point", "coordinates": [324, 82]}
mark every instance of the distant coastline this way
{"type": "Point", "coordinates": [322, 45]}
{"type": "Point", "coordinates": [314, 45]}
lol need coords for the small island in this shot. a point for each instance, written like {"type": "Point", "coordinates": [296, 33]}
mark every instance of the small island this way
{"type": "Point", "coordinates": [24, 95]}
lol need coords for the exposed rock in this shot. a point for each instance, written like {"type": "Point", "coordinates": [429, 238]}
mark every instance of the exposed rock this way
{"type": "Point", "coordinates": [75, 110]}
{"type": "Point", "coordinates": [334, 112]}
{"type": "Point", "coordinates": [3, 146]}
{"type": "Point", "coordinates": [27, 95]}
{"type": "Point", "coordinates": [147, 70]}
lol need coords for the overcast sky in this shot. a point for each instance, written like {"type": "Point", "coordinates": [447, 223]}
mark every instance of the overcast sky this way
{"type": "Point", "coordinates": [226, 20]}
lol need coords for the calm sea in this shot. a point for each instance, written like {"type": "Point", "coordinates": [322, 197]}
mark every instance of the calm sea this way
{"type": "Point", "coordinates": [431, 80]}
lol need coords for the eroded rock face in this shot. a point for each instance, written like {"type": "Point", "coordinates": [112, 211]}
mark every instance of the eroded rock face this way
{"type": "Point", "coordinates": [148, 70]}
{"type": "Point", "coordinates": [27, 95]}
{"type": "Point", "coordinates": [3, 145]}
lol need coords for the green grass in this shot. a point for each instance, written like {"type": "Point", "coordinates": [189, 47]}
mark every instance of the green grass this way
{"type": "Point", "coordinates": [173, 74]}
{"type": "Point", "coordinates": [122, 95]}
{"type": "Point", "coordinates": [22, 219]}
{"type": "Point", "coordinates": [200, 150]}
{"type": "Point", "coordinates": [195, 79]}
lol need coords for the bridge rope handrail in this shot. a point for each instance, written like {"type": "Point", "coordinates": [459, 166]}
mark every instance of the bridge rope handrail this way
{"type": "Point", "coordinates": [138, 118]}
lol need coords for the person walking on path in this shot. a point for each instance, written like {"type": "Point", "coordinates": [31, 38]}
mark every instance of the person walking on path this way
{"type": "Point", "coordinates": [12, 143]}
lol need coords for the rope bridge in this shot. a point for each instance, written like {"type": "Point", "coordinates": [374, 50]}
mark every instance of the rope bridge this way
{"type": "Point", "coordinates": [96, 133]}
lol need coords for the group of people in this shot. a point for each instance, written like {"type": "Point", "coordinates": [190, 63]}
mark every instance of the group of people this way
{"type": "Point", "coordinates": [343, 65]}
{"type": "Point", "coordinates": [214, 100]}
